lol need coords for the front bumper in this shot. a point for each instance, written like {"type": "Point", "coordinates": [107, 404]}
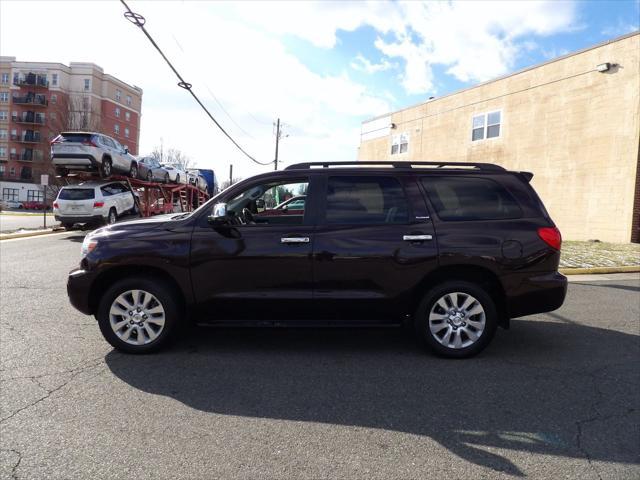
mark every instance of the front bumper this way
{"type": "Point", "coordinates": [79, 284]}
{"type": "Point", "coordinates": [537, 294]}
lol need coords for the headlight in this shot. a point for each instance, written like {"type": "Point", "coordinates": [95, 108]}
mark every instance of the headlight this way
{"type": "Point", "coordinates": [88, 245]}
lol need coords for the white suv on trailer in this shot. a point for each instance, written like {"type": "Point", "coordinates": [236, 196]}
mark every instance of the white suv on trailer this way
{"type": "Point", "coordinates": [91, 152]}
{"type": "Point", "coordinates": [93, 202]}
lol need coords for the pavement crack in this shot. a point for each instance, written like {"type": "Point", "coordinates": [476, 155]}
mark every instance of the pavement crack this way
{"type": "Point", "coordinates": [14, 468]}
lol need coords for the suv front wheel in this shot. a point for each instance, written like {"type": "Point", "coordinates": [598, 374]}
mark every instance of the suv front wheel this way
{"type": "Point", "coordinates": [137, 315]}
{"type": "Point", "coordinates": [457, 319]}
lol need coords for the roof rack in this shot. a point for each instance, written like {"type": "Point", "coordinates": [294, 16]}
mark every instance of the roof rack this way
{"type": "Point", "coordinates": [489, 167]}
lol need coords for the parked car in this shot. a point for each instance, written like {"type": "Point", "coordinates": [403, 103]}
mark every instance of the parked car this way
{"type": "Point", "coordinates": [31, 205]}
{"type": "Point", "coordinates": [150, 169]}
{"type": "Point", "coordinates": [292, 206]}
{"type": "Point", "coordinates": [453, 251]}
{"type": "Point", "coordinates": [93, 203]}
{"type": "Point", "coordinates": [5, 204]}
{"type": "Point", "coordinates": [177, 174]}
{"type": "Point", "coordinates": [198, 180]}
{"type": "Point", "coordinates": [91, 152]}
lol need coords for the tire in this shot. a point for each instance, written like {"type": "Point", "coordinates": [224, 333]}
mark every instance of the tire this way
{"type": "Point", "coordinates": [133, 170]}
{"type": "Point", "coordinates": [149, 176]}
{"type": "Point", "coordinates": [106, 168]}
{"type": "Point", "coordinates": [178, 178]}
{"type": "Point", "coordinates": [142, 320]}
{"type": "Point", "coordinates": [67, 226]}
{"type": "Point", "coordinates": [445, 330]}
{"type": "Point", "coordinates": [166, 178]}
{"type": "Point", "coordinates": [112, 216]}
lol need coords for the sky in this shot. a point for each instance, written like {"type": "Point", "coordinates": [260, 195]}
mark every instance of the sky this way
{"type": "Point", "coordinates": [321, 67]}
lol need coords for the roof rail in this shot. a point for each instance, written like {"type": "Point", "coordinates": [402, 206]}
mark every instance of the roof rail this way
{"type": "Point", "coordinates": [489, 167]}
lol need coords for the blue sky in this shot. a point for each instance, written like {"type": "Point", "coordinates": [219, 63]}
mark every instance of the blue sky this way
{"type": "Point", "coordinates": [322, 67]}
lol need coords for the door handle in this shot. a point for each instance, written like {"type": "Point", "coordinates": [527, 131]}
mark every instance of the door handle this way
{"type": "Point", "coordinates": [416, 238]}
{"type": "Point", "coordinates": [294, 240]}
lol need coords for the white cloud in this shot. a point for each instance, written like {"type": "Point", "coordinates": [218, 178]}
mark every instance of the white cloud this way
{"type": "Point", "coordinates": [363, 64]}
{"type": "Point", "coordinates": [621, 27]}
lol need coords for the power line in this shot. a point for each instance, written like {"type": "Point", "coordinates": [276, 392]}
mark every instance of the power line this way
{"type": "Point", "coordinates": [139, 21]}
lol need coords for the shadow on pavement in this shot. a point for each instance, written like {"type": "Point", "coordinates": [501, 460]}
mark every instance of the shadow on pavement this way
{"type": "Point", "coordinates": [540, 388]}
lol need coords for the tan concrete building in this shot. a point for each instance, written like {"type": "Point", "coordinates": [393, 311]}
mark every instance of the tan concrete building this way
{"type": "Point", "coordinates": [573, 121]}
{"type": "Point", "coordinates": [38, 100]}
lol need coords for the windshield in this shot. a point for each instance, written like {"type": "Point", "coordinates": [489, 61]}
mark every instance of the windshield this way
{"type": "Point", "coordinates": [76, 194]}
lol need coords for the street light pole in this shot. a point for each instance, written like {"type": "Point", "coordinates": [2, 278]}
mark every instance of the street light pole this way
{"type": "Point", "coordinates": [277, 141]}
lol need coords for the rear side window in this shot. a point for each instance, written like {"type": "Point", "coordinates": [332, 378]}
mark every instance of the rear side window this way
{"type": "Point", "coordinates": [365, 200]}
{"type": "Point", "coordinates": [76, 194]}
{"type": "Point", "coordinates": [467, 198]}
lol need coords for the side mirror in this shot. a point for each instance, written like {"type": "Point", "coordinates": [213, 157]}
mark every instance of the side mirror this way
{"type": "Point", "coordinates": [219, 215]}
{"type": "Point", "coordinates": [126, 149]}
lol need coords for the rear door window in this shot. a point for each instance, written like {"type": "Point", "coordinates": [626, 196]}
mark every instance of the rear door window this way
{"type": "Point", "coordinates": [75, 137]}
{"type": "Point", "coordinates": [76, 194]}
{"type": "Point", "coordinates": [470, 198]}
{"type": "Point", "coordinates": [365, 200]}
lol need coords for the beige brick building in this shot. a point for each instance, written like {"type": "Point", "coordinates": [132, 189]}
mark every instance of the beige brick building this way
{"type": "Point", "coordinates": [573, 121]}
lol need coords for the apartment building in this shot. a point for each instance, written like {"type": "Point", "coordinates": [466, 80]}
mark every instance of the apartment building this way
{"type": "Point", "coordinates": [38, 100]}
{"type": "Point", "coordinates": [573, 121]}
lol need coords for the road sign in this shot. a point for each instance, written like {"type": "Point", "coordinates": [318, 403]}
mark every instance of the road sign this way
{"type": "Point", "coordinates": [44, 179]}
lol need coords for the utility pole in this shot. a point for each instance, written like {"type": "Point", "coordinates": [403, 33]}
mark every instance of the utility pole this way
{"type": "Point", "coordinates": [277, 141]}
{"type": "Point", "coordinates": [230, 174]}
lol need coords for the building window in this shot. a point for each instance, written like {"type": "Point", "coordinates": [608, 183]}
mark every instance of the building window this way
{"type": "Point", "coordinates": [126, 132]}
{"type": "Point", "coordinates": [10, 193]}
{"type": "Point", "coordinates": [118, 95]}
{"type": "Point", "coordinates": [2, 170]}
{"type": "Point", "coordinates": [25, 173]}
{"type": "Point", "coordinates": [54, 79]}
{"type": "Point", "coordinates": [129, 100]}
{"type": "Point", "coordinates": [3, 134]}
{"type": "Point", "coordinates": [85, 103]}
{"type": "Point", "coordinates": [116, 128]}
{"type": "Point", "coordinates": [4, 97]}
{"type": "Point", "coordinates": [53, 116]}
{"type": "Point", "coordinates": [5, 78]}
{"type": "Point", "coordinates": [117, 112]}
{"type": "Point", "coordinates": [35, 196]}
{"type": "Point", "coordinates": [87, 84]}
{"type": "Point", "coordinates": [486, 125]}
{"type": "Point", "coordinates": [3, 152]}
{"type": "Point", "coordinates": [400, 143]}
{"type": "Point", "coordinates": [4, 115]}
{"type": "Point", "coordinates": [127, 116]}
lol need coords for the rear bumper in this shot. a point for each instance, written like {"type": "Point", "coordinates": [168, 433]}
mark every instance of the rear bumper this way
{"type": "Point", "coordinates": [79, 218]}
{"type": "Point", "coordinates": [537, 294]}
{"type": "Point", "coordinates": [79, 284]}
{"type": "Point", "coordinates": [82, 161]}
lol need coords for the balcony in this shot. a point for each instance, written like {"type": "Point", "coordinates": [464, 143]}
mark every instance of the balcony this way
{"type": "Point", "coordinates": [35, 100]}
{"type": "Point", "coordinates": [29, 118]}
{"type": "Point", "coordinates": [14, 156]}
{"type": "Point", "coordinates": [32, 80]}
{"type": "Point", "coordinates": [27, 156]}
{"type": "Point", "coordinates": [27, 137]}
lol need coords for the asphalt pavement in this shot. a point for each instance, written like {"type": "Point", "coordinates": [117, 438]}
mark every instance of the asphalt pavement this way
{"type": "Point", "coordinates": [557, 396]}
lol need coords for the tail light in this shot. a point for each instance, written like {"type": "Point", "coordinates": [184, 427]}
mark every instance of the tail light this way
{"type": "Point", "coordinates": [551, 236]}
{"type": "Point", "coordinates": [58, 139]}
{"type": "Point", "coordinates": [55, 204]}
{"type": "Point", "coordinates": [98, 204]}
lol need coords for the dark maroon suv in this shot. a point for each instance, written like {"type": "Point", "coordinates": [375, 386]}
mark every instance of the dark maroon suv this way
{"type": "Point", "coordinates": [454, 250]}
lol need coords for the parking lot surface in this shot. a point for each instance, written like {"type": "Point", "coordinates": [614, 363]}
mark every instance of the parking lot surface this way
{"type": "Point", "coordinates": [557, 396]}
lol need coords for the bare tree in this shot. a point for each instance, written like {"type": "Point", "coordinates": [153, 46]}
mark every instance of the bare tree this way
{"type": "Point", "coordinates": [172, 155]}
{"type": "Point", "coordinates": [226, 184]}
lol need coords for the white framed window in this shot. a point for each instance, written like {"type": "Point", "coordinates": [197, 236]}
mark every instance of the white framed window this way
{"type": "Point", "coordinates": [53, 116]}
{"type": "Point", "coordinates": [54, 79]}
{"type": "Point", "coordinates": [4, 97]}
{"type": "Point", "coordinates": [12, 172]}
{"type": "Point", "coordinates": [4, 115]}
{"type": "Point", "coordinates": [87, 84]}
{"type": "Point", "coordinates": [129, 100]}
{"type": "Point", "coordinates": [3, 152]}
{"type": "Point", "coordinates": [3, 133]}
{"type": "Point", "coordinates": [486, 125]}
{"type": "Point", "coordinates": [399, 143]}
{"type": "Point", "coordinates": [127, 116]}
{"type": "Point", "coordinates": [54, 98]}
{"type": "Point", "coordinates": [118, 95]}
{"type": "Point", "coordinates": [5, 78]}
{"type": "Point", "coordinates": [2, 170]}
{"type": "Point", "coordinates": [35, 196]}
{"type": "Point", "coordinates": [126, 132]}
{"type": "Point", "coordinates": [117, 112]}
{"type": "Point", "coordinates": [116, 128]}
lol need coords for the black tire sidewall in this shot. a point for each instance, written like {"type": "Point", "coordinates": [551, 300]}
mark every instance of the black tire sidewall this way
{"type": "Point", "coordinates": [421, 319]}
{"type": "Point", "coordinates": [157, 289]}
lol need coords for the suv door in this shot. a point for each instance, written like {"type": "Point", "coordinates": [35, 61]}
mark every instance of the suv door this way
{"type": "Point", "coordinates": [374, 244]}
{"type": "Point", "coordinates": [261, 269]}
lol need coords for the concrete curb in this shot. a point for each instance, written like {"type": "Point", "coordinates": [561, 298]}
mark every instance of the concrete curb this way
{"type": "Point", "coordinates": [10, 236]}
{"type": "Point", "coordinates": [595, 270]}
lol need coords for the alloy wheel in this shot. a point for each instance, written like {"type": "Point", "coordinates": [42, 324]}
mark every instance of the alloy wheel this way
{"type": "Point", "coordinates": [457, 320]}
{"type": "Point", "coordinates": [137, 317]}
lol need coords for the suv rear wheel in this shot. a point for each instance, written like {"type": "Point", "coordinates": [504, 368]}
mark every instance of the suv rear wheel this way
{"type": "Point", "coordinates": [137, 315]}
{"type": "Point", "coordinates": [105, 169]}
{"type": "Point", "coordinates": [457, 319]}
{"type": "Point", "coordinates": [133, 170]}
{"type": "Point", "coordinates": [112, 216]}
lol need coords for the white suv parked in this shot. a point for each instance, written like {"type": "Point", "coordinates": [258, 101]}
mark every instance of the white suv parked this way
{"type": "Point", "coordinates": [91, 152]}
{"type": "Point", "coordinates": [92, 202]}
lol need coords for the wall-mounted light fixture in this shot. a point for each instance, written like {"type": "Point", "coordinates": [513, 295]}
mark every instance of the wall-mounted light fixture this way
{"type": "Point", "coordinates": [604, 67]}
